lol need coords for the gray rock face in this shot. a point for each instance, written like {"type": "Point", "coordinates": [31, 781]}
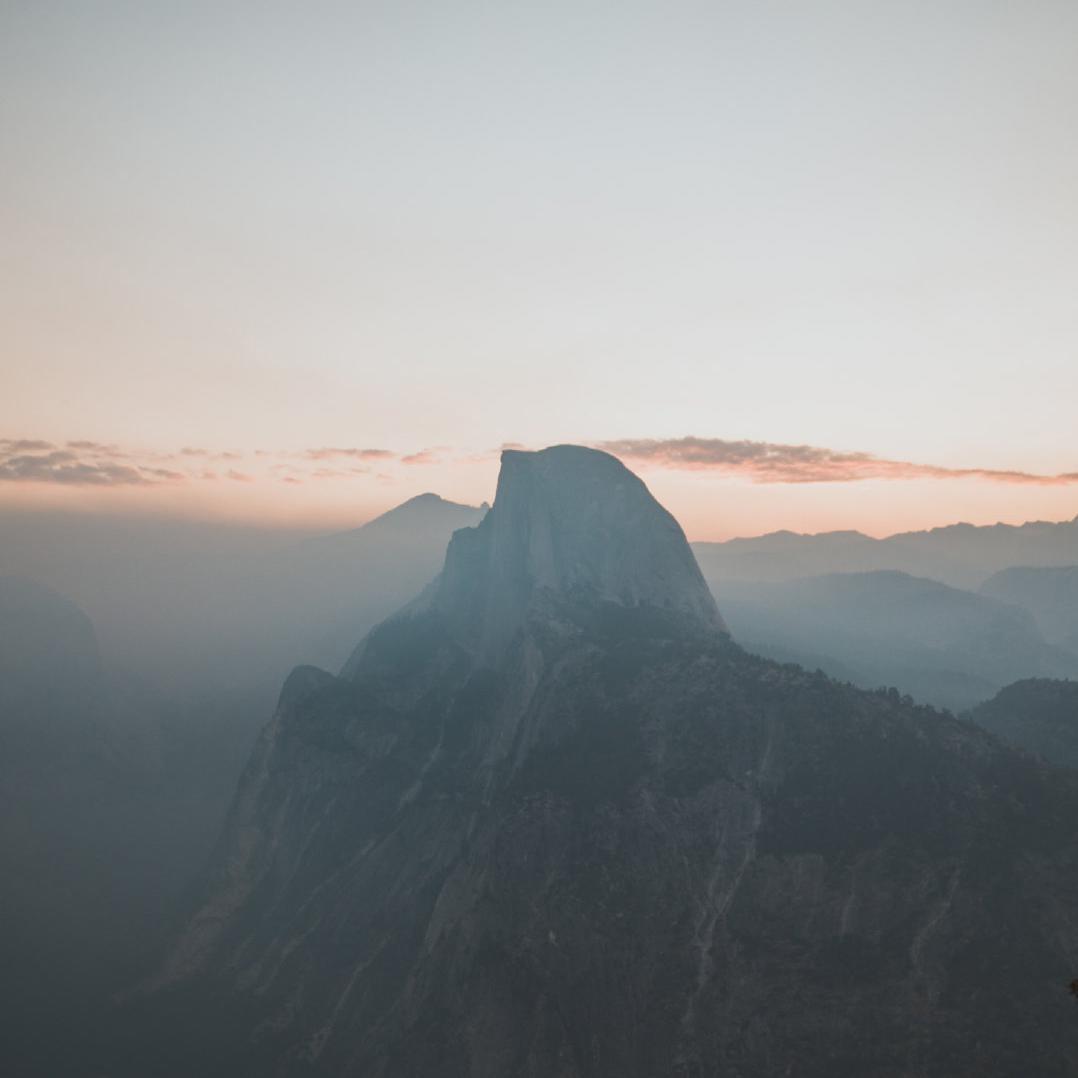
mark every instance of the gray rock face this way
{"type": "Point", "coordinates": [599, 840]}
{"type": "Point", "coordinates": [567, 523]}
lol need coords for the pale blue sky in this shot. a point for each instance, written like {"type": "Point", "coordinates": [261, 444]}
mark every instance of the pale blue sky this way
{"type": "Point", "coordinates": [847, 224]}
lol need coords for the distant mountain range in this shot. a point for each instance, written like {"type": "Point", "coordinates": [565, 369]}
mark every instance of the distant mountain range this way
{"type": "Point", "coordinates": [961, 555]}
{"type": "Point", "coordinates": [1050, 595]}
{"type": "Point", "coordinates": [943, 615]}
{"type": "Point", "coordinates": [198, 603]}
{"type": "Point", "coordinates": [346, 582]}
{"type": "Point", "coordinates": [940, 644]}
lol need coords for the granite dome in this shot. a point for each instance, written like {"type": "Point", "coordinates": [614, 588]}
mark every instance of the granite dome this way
{"type": "Point", "coordinates": [575, 524]}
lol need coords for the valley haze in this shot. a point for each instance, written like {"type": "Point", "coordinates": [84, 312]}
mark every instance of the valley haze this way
{"type": "Point", "coordinates": [570, 655]}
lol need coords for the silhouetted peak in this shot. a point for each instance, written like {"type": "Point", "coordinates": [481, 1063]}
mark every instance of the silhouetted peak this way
{"type": "Point", "coordinates": [421, 506]}
{"type": "Point", "coordinates": [574, 523]}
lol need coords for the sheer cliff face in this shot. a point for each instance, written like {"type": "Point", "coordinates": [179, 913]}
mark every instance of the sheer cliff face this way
{"type": "Point", "coordinates": [568, 525]}
{"type": "Point", "coordinates": [555, 823]}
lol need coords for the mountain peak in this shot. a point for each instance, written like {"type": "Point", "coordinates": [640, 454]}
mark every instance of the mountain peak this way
{"type": "Point", "coordinates": [411, 519]}
{"type": "Point", "coordinates": [421, 505]}
{"type": "Point", "coordinates": [568, 523]}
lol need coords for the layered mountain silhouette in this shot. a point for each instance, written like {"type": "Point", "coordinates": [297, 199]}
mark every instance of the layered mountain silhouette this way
{"type": "Point", "coordinates": [942, 645]}
{"type": "Point", "coordinates": [962, 555]}
{"type": "Point", "coordinates": [1049, 594]}
{"type": "Point", "coordinates": [553, 821]}
{"type": "Point", "coordinates": [197, 607]}
{"type": "Point", "coordinates": [347, 582]}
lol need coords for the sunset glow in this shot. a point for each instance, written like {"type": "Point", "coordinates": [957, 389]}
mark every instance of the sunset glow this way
{"type": "Point", "coordinates": [717, 490]}
{"type": "Point", "coordinates": [296, 270]}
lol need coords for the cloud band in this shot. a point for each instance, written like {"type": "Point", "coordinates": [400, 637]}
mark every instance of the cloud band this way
{"type": "Point", "coordinates": [775, 462]}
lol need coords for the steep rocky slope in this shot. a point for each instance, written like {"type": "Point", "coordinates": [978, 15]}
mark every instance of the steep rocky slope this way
{"type": "Point", "coordinates": [554, 822]}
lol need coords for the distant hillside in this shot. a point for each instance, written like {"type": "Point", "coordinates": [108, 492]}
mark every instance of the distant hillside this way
{"type": "Point", "coordinates": [50, 666]}
{"type": "Point", "coordinates": [941, 645]}
{"type": "Point", "coordinates": [346, 582]}
{"type": "Point", "coordinates": [961, 554]}
{"type": "Point", "coordinates": [1037, 715]}
{"type": "Point", "coordinates": [63, 793]}
{"type": "Point", "coordinates": [112, 793]}
{"type": "Point", "coordinates": [1050, 595]}
{"type": "Point", "coordinates": [209, 607]}
{"type": "Point", "coordinates": [408, 521]}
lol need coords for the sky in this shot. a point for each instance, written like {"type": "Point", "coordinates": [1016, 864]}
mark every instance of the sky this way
{"type": "Point", "coordinates": [803, 265]}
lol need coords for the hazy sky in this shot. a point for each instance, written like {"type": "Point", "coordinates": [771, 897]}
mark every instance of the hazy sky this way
{"type": "Point", "coordinates": [432, 229]}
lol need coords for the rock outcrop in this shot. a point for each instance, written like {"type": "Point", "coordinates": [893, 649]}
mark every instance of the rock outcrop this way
{"type": "Point", "coordinates": [568, 524]}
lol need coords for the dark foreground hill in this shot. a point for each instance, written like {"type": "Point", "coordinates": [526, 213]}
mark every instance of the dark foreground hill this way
{"type": "Point", "coordinates": [554, 822]}
{"type": "Point", "coordinates": [1038, 715]}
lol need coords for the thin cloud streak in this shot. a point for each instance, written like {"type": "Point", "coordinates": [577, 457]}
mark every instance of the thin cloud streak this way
{"type": "Point", "coordinates": [67, 468]}
{"type": "Point", "coordinates": [82, 445]}
{"type": "Point", "coordinates": [331, 453]}
{"type": "Point", "coordinates": [82, 462]}
{"type": "Point", "coordinates": [24, 445]}
{"type": "Point", "coordinates": [207, 454]}
{"type": "Point", "coordinates": [773, 462]}
{"type": "Point", "coordinates": [424, 456]}
{"type": "Point", "coordinates": [338, 473]}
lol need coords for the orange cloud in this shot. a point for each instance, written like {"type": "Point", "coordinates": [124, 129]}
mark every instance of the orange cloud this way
{"type": "Point", "coordinates": [329, 453]}
{"type": "Point", "coordinates": [424, 456]}
{"type": "Point", "coordinates": [195, 451]}
{"type": "Point", "coordinates": [336, 473]}
{"type": "Point", "coordinates": [771, 462]}
{"type": "Point", "coordinates": [96, 447]}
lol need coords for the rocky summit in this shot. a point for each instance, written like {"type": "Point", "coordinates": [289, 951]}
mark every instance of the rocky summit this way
{"type": "Point", "coordinates": [553, 822]}
{"type": "Point", "coordinates": [569, 525]}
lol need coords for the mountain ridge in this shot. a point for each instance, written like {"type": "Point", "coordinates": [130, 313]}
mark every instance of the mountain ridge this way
{"type": "Point", "coordinates": [962, 555]}
{"type": "Point", "coordinates": [618, 846]}
{"type": "Point", "coordinates": [942, 645]}
{"type": "Point", "coordinates": [412, 511]}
